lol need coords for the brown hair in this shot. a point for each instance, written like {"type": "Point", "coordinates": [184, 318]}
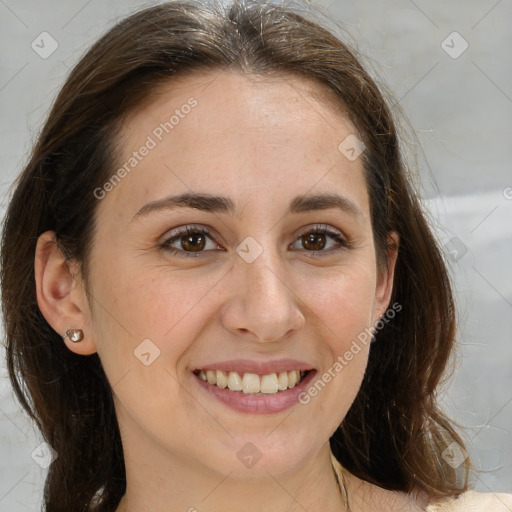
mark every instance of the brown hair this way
{"type": "Point", "coordinates": [394, 433]}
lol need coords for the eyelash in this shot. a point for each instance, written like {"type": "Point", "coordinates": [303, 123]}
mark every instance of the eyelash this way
{"type": "Point", "coordinates": [187, 230]}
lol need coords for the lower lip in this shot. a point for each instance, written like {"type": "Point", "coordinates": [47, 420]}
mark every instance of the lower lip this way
{"type": "Point", "coordinates": [241, 402]}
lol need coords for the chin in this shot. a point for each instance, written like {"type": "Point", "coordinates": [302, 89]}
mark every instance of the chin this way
{"type": "Point", "coordinates": [255, 456]}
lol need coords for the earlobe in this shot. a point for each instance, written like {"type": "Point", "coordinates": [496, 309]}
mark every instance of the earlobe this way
{"type": "Point", "coordinates": [385, 278]}
{"type": "Point", "coordinates": [60, 295]}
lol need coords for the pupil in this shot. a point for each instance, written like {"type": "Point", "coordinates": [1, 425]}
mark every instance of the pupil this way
{"type": "Point", "coordinates": [311, 238]}
{"type": "Point", "coordinates": [188, 242]}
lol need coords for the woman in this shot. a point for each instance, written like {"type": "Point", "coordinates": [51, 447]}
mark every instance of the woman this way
{"type": "Point", "coordinates": [219, 288]}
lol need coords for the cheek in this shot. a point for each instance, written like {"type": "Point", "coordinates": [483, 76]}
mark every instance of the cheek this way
{"type": "Point", "coordinates": [144, 328]}
{"type": "Point", "coordinates": [343, 298]}
{"type": "Point", "coordinates": [343, 324]}
{"type": "Point", "coordinates": [343, 305]}
{"type": "Point", "coordinates": [147, 310]}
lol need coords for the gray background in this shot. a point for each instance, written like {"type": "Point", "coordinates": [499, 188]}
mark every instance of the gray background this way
{"type": "Point", "coordinates": [460, 109]}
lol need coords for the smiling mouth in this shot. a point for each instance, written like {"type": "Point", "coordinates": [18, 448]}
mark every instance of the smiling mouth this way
{"type": "Point", "coordinates": [252, 383]}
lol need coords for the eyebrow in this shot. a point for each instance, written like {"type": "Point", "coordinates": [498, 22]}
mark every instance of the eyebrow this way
{"type": "Point", "coordinates": [222, 204]}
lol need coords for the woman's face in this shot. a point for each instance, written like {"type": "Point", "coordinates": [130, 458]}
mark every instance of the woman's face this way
{"type": "Point", "coordinates": [254, 288]}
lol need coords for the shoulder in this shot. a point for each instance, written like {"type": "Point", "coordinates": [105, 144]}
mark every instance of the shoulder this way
{"type": "Point", "coordinates": [472, 501]}
{"type": "Point", "coordinates": [384, 500]}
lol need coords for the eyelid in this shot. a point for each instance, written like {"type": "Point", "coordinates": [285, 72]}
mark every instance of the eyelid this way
{"type": "Point", "coordinates": [322, 228]}
{"type": "Point", "coordinates": [177, 233]}
{"type": "Point", "coordinates": [335, 233]}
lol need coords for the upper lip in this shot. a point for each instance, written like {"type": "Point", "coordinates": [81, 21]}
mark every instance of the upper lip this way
{"type": "Point", "coordinates": [258, 367]}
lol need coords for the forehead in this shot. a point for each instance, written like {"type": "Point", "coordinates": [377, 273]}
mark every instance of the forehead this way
{"type": "Point", "coordinates": [237, 135]}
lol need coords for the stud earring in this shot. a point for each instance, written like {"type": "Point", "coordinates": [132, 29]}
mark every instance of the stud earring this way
{"type": "Point", "coordinates": [74, 335]}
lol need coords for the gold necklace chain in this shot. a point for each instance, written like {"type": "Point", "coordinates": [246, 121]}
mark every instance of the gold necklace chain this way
{"type": "Point", "coordinates": [341, 486]}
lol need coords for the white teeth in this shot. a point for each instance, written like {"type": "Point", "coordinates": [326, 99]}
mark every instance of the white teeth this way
{"type": "Point", "coordinates": [234, 382]}
{"type": "Point", "coordinates": [222, 379]}
{"type": "Point", "coordinates": [211, 377]}
{"type": "Point", "coordinates": [251, 382]}
{"type": "Point", "coordinates": [293, 379]}
{"type": "Point", "coordinates": [269, 383]}
{"type": "Point", "coordinates": [282, 381]}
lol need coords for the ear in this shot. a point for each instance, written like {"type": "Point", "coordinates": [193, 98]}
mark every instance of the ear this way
{"type": "Point", "coordinates": [60, 293]}
{"type": "Point", "coordinates": [385, 277]}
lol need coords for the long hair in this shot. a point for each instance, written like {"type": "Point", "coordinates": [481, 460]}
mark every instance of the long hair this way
{"type": "Point", "coordinates": [394, 434]}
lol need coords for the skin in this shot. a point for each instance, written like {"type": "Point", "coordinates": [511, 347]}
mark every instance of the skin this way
{"type": "Point", "coordinates": [260, 141]}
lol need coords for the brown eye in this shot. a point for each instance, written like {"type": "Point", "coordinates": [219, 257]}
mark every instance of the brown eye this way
{"type": "Point", "coordinates": [314, 241]}
{"type": "Point", "coordinates": [195, 242]}
{"type": "Point", "coordinates": [190, 241]}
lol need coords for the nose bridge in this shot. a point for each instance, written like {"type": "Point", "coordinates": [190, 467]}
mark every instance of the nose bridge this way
{"type": "Point", "coordinates": [267, 304]}
{"type": "Point", "coordinates": [262, 265]}
{"type": "Point", "coordinates": [264, 276]}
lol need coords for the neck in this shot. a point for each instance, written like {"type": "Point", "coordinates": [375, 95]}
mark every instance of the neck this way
{"type": "Point", "coordinates": [182, 485]}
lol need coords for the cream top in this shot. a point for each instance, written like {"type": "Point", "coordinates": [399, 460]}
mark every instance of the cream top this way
{"type": "Point", "coordinates": [472, 501]}
{"type": "Point", "coordinates": [469, 501]}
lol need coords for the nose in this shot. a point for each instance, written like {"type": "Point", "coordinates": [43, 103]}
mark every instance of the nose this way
{"type": "Point", "coordinates": [264, 304]}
